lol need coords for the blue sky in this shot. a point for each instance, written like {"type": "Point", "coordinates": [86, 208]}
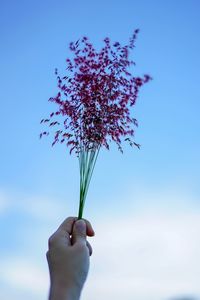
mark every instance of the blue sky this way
{"type": "Point", "coordinates": [39, 184]}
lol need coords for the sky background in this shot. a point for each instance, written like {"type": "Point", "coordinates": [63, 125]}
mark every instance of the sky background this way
{"type": "Point", "coordinates": [145, 204]}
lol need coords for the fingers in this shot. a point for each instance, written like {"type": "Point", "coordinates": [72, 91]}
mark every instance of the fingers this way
{"type": "Point", "coordinates": [67, 226]}
{"type": "Point", "coordinates": [89, 247]}
{"type": "Point", "coordinates": [90, 230]}
{"type": "Point", "coordinates": [79, 235]}
{"type": "Point", "coordinates": [59, 238]}
{"type": "Point", "coordinates": [62, 235]}
{"type": "Point", "coordinates": [79, 232]}
{"type": "Point", "coordinates": [65, 230]}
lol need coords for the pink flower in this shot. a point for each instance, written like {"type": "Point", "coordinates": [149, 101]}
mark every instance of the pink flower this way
{"type": "Point", "coordinates": [93, 103]}
{"type": "Point", "coordinates": [95, 97]}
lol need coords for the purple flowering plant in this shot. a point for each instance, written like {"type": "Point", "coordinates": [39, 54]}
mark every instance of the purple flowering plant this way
{"type": "Point", "coordinates": [94, 103]}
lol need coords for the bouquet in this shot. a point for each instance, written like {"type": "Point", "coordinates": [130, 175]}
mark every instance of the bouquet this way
{"type": "Point", "coordinates": [94, 103]}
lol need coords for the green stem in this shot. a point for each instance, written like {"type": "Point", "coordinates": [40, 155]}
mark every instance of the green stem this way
{"type": "Point", "coordinates": [87, 163]}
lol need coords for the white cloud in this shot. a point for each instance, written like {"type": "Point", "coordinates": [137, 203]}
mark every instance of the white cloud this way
{"type": "Point", "coordinates": [151, 254]}
{"type": "Point", "coordinates": [146, 257]}
{"type": "Point", "coordinates": [22, 275]}
{"type": "Point", "coordinates": [41, 208]}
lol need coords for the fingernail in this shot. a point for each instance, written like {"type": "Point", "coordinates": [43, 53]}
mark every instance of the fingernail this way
{"type": "Point", "coordinates": [80, 225]}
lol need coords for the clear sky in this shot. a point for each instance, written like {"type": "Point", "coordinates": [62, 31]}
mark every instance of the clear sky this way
{"type": "Point", "coordinates": [153, 193]}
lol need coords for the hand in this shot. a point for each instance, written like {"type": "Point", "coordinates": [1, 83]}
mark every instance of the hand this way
{"type": "Point", "coordinates": [68, 258]}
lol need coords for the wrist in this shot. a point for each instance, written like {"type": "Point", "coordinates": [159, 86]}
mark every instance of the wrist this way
{"type": "Point", "coordinates": [63, 292]}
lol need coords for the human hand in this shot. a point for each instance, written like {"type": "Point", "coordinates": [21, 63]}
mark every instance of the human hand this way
{"type": "Point", "coordinates": [68, 258]}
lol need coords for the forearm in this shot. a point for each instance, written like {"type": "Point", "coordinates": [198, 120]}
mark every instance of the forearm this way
{"type": "Point", "coordinates": [58, 292]}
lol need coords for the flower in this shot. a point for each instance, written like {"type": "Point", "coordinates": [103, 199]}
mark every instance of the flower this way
{"type": "Point", "coordinates": [94, 101]}
{"type": "Point", "coordinates": [95, 97]}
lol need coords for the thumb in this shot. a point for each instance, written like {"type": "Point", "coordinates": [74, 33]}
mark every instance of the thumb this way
{"type": "Point", "coordinates": [79, 232]}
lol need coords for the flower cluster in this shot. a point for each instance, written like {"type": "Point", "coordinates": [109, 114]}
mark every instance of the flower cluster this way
{"type": "Point", "coordinates": [95, 97]}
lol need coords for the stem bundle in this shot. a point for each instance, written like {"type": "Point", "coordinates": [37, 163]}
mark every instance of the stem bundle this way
{"type": "Point", "coordinates": [87, 161]}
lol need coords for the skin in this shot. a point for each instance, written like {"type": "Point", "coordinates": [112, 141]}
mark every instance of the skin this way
{"type": "Point", "coordinates": [68, 258]}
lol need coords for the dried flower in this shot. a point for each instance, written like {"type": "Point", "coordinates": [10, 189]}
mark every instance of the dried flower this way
{"type": "Point", "coordinates": [94, 102]}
